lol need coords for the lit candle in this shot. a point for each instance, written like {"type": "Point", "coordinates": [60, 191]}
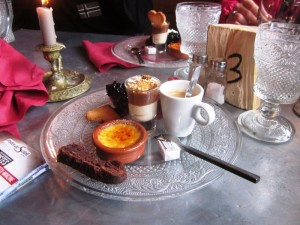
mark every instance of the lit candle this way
{"type": "Point", "coordinates": [46, 24]}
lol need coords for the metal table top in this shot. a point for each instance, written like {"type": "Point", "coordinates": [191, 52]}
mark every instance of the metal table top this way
{"type": "Point", "coordinates": [228, 200]}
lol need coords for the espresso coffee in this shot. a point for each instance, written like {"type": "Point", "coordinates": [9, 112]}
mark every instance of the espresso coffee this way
{"type": "Point", "coordinates": [179, 94]}
{"type": "Point", "coordinates": [180, 113]}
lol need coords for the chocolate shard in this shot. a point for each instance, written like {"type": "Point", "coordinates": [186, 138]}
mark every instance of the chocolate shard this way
{"type": "Point", "coordinates": [117, 93]}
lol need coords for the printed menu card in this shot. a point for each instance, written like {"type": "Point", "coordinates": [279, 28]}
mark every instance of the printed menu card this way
{"type": "Point", "coordinates": [19, 164]}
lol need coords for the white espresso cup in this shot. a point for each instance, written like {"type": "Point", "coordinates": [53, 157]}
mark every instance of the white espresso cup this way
{"type": "Point", "coordinates": [180, 113]}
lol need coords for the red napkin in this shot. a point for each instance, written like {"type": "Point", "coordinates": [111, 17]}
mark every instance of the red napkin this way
{"type": "Point", "coordinates": [102, 57]}
{"type": "Point", "coordinates": [21, 86]}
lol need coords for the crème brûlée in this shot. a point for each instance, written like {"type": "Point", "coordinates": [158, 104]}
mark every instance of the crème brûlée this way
{"type": "Point", "coordinates": [122, 140]}
{"type": "Point", "coordinates": [119, 135]}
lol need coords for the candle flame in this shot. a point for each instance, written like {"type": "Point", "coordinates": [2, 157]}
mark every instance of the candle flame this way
{"type": "Point", "coordinates": [45, 2]}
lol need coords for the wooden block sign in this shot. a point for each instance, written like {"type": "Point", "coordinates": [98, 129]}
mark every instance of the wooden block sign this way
{"type": "Point", "coordinates": [235, 43]}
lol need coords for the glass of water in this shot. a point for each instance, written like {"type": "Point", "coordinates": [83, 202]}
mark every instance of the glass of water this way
{"type": "Point", "coordinates": [276, 54]}
{"type": "Point", "coordinates": [192, 20]}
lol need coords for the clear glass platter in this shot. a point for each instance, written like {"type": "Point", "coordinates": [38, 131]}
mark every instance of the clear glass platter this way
{"type": "Point", "coordinates": [149, 178]}
{"type": "Point", "coordinates": [122, 51]}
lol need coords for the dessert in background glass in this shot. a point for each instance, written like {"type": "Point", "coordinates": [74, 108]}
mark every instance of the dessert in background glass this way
{"type": "Point", "coordinates": [192, 20]}
{"type": "Point", "coordinates": [159, 36]}
{"type": "Point", "coordinates": [160, 29]}
{"type": "Point", "coordinates": [276, 54]}
{"type": "Point", "coordinates": [143, 92]}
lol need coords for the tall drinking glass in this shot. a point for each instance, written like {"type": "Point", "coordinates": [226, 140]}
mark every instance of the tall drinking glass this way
{"type": "Point", "coordinates": [280, 11]}
{"type": "Point", "coordinates": [6, 18]}
{"type": "Point", "coordinates": [277, 54]}
{"type": "Point", "coordinates": [192, 20]}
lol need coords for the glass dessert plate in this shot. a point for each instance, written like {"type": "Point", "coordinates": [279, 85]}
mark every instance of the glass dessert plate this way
{"type": "Point", "coordinates": [122, 51]}
{"type": "Point", "coordinates": [149, 178]}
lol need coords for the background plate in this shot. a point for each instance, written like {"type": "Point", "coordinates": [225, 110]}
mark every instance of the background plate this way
{"type": "Point", "coordinates": [122, 51]}
{"type": "Point", "coordinates": [149, 178]}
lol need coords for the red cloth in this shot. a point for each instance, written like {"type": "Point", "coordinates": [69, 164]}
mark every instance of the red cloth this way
{"type": "Point", "coordinates": [227, 7]}
{"type": "Point", "coordinates": [102, 57]}
{"type": "Point", "coordinates": [21, 86]}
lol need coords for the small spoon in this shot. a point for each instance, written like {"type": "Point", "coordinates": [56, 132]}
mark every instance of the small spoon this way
{"type": "Point", "coordinates": [193, 81]}
{"type": "Point", "coordinates": [138, 53]}
{"type": "Point", "coordinates": [218, 162]}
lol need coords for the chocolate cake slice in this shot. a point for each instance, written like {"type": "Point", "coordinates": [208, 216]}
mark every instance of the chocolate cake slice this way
{"type": "Point", "coordinates": [75, 156]}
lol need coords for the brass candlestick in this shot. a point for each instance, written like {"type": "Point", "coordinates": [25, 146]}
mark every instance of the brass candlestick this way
{"type": "Point", "coordinates": [62, 84]}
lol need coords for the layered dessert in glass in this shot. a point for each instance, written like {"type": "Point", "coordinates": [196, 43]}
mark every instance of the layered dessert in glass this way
{"type": "Point", "coordinates": [159, 36]}
{"type": "Point", "coordinates": [160, 29]}
{"type": "Point", "coordinates": [143, 92]}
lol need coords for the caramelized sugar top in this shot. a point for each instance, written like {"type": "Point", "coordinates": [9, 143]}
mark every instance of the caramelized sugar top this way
{"type": "Point", "coordinates": [120, 135]}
